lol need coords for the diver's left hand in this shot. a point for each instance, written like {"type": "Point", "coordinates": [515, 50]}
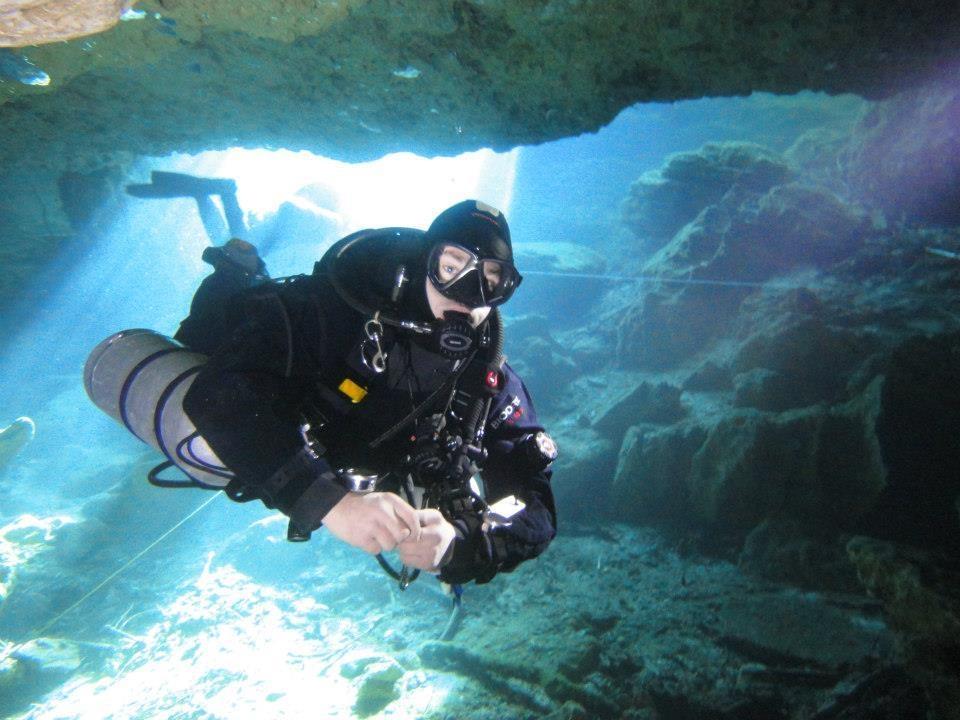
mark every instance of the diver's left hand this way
{"type": "Point", "coordinates": [435, 537]}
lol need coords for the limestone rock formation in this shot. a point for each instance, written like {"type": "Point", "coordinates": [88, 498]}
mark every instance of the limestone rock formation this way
{"type": "Point", "coordinates": [34, 22]}
{"type": "Point", "coordinates": [662, 201]}
{"type": "Point", "coordinates": [820, 467]}
{"type": "Point", "coordinates": [749, 231]}
{"type": "Point", "coordinates": [904, 156]}
{"type": "Point", "coordinates": [920, 599]}
{"type": "Point", "coordinates": [799, 363]}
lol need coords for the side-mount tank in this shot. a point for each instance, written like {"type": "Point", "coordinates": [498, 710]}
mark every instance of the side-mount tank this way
{"type": "Point", "coordinates": [139, 378]}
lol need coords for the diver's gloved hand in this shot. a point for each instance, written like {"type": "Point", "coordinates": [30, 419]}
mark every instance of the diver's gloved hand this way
{"type": "Point", "coordinates": [374, 522]}
{"type": "Point", "coordinates": [429, 550]}
{"type": "Point", "coordinates": [473, 554]}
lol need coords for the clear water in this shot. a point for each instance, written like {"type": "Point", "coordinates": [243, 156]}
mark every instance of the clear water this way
{"type": "Point", "coordinates": [125, 601]}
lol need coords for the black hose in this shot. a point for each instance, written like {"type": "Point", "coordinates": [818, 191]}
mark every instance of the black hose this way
{"type": "Point", "coordinates": [154, 477]}
{"type": "Point", "coordinates": [475, 411]}
{"type": "Point", "coordinates": [392, 572]}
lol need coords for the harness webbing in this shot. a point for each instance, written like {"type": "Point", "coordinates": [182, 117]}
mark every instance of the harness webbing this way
{"type": "Point", "coordinates": [450, 385]}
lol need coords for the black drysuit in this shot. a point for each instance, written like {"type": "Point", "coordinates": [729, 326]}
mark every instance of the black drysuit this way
{"type": "Point", "coordinates": [282, 366]}
{"type": "Point", "coordinates": [206, 327]}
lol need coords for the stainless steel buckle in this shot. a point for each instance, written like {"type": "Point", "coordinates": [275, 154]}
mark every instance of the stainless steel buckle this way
{"type": "Point", "coordinates": [356, 481]}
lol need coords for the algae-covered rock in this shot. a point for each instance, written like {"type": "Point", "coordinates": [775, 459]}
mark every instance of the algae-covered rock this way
{"type": "Point", "coordinates": [709, 377]}
{"type": "Point", "coordinates": [796, 630]}
{"type": "Point", "coordinates": [378, 683]}
{"type": "Point", "coordinates": [751, 236]}
{"type": "Point", "coordinates": [560, 689]}
{"type": "Point", "coordinates": [662, 201]}
{"type": "Point", "coordinates": [33, 668]}
{"type": "Point", "coordinates": [922, 604]}
{"type": "Point", "coordinates": [795, 364]}
{"type": "Point", "coordinates": [508, 677]}
{"type": "Point", "coordinates": [698, 281]}
{"type": "Point", "coordinates": [779, 550]}
{"type": "Point", "coordinates": [21, 541]}
{"type": "Point", "coordinates": [651, 479]}
{"type": "Point", "coordinates": [656, 403]}
{"type": "Point", "coordinates": [51, 656]}
{"type": "Point", "coordinates": [821, 466]}
{"type": "Point", "coordinates": [664, 327]}
{"type": "Point", "coordinates": [764, 389]}
{"type": "Point", "coordinates": [819, 155]}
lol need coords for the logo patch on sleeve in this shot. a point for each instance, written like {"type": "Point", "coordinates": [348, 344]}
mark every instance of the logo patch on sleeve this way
{"type": "Point", "coordinates": [510, 414]}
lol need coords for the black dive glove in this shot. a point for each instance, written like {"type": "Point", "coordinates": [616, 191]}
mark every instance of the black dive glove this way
{"type": "Point", "coordinates": [477, 555]}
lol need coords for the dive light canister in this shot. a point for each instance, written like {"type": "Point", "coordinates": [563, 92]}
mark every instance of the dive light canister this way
{"type": "Point", "coordinates": [139, 378]}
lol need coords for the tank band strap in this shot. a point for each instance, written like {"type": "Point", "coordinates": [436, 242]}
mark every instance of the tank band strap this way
{"type": "Point", "coordinates": [128, 383]}
{"type": "Point", "coordinates": [286, 485]}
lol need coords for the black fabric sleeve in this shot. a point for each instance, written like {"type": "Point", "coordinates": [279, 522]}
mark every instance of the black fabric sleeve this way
{"type": "Point", "coordinates": [245, 405]}
{"type": "Point", "coordinates": [509, 470]}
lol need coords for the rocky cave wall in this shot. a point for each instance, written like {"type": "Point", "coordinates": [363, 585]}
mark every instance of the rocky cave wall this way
{"type": "Point", "coordinates": [785, 391]}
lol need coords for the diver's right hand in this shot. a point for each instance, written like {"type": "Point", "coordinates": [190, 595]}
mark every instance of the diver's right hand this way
{"type": "Point", "coordinates": [374, 522]}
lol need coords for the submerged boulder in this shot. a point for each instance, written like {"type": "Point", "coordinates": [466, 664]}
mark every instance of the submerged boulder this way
{"type": "Point", "coordinates": [650, 482]}
{"type": "Point", "coordinates": [662, 201]}
{"type": "Point", "coordinates": [917, 430]}
{"type": "Point", "coordinates": [731, 250]}
{"type": "Point", "coordinates": [797, 363]}
{"type": "Point", "coordinates": [780, 550]}
{"type": "Point", "coordinates": [820, 467]}
{"type": "Point", "coordinates": [647, 402]}
{"type": "Point", "coordinates": [377, 683]}
{"type": "Point", "coordinates": [33, 668]}
{"type": "Point", "coordinates": [664, 327]}
{"type": "Point", "coordinates": [922, 605]}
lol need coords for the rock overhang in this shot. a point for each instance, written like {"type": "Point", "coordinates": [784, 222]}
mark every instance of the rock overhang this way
{"type": "Point", "coordinates": [357, 79]}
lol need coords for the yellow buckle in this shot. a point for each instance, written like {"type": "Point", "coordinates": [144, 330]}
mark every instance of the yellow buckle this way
{"type": "Point", "coordinates": [353, 391]}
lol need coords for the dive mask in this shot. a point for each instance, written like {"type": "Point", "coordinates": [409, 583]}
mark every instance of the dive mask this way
{"type": "Point", "coordinates": [459, 274]}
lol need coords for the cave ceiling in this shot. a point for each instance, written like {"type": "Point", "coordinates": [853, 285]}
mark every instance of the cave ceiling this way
{"type": "Point", "coordinates": [356, 79]}
{"type": "Point", "coordinates": [88, 86]}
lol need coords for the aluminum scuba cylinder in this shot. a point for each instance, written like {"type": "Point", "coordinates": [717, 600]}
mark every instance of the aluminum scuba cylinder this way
{"type": "Point", "coordinates": [139, 378]}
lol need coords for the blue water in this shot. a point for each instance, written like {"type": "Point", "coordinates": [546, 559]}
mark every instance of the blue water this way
{"type": "Point", "coordinates": [684, 549]}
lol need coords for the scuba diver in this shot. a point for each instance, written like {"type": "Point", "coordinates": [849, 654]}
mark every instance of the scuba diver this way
{"type": "Point", "coordinates": [369, 397]}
